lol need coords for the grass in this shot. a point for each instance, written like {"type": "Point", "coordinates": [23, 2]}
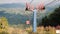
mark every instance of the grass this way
{"type": "Point", "coordinates": [40, 30]}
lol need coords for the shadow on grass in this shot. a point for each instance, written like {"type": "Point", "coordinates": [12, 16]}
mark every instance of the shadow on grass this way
{"type": "Point", "coordinates": [3, 32]}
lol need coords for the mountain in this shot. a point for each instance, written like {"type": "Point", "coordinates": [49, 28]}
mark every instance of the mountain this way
{"type": "Point", "coordinates": [13, 18]}
{"type": "Point", "coordinates": [16, 16]}
{"type": "Point", "coordinates": [12, 5]}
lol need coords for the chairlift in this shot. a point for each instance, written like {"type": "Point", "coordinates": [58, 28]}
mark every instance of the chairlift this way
{"type": "Point", "coordinates": [40, 7]}
{"type": "Point", "coordinates": [29, 7]}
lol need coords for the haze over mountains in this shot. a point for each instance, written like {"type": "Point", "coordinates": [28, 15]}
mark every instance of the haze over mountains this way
{"type": "Point", "coordinates": [16, 15]}
{"type": "Point", "coordinates": [12, 5]}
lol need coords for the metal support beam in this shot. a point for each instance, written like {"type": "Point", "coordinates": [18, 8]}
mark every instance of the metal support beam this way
{"type": "Point", "coordinates": [34, 20]}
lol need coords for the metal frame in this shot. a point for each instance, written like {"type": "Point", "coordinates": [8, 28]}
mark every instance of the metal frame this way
{"type": "Point", "coordinates": [34, 15]}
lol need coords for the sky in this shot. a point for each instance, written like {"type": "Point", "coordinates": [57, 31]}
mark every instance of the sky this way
{"type": "Point", "coordinates": [23, 1]}
{"type": "Point", "coordinates": [35, 2]}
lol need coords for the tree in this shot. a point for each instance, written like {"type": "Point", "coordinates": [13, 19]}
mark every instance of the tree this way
{"type": "Point", "coordinates": [3, 23]}
{"type": "Point", "coordinates": [53, 19]}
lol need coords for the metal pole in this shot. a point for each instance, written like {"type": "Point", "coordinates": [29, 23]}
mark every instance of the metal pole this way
{"type": "Point", "coordinates": [34, 20]}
